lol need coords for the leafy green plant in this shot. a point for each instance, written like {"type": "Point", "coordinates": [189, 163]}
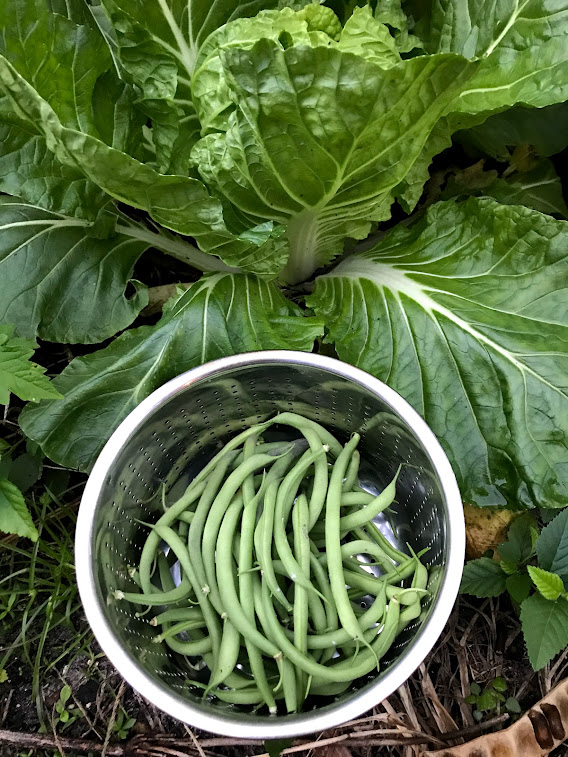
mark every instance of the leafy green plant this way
{"type": "Point", "coordinates": [18, 374]}
{"type": "Point", "coordinates": [539, 591]}
{"type": "Point", "coordinates": [123, 725]}
{"type": "Point", "coordinates": [39, 600]}
{"type": "Point", "coordinates": [491, 698]}
{"type": "Point", "coordinates": [256, 143]}
{"type": "Point", "coordinates": [67, 713]}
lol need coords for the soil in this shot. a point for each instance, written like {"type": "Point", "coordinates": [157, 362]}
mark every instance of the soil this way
{"type": "Point", "coordinates": [481, 641]}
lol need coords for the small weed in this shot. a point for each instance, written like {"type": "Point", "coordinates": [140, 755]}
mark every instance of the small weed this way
{"type": "Point", "coordinates": [491, 699]}
{"type": "Point", "coordinates": [68, 713]}
{"type": "Point", "coordinates": [122, 725]}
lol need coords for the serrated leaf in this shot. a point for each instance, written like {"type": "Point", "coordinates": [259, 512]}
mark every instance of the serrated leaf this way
{"type": "Point", "coordinates": [432, 310]}
{"type": "Point", "coordinates": [483, 578]}
{"type": "Point", "coordinates": [545, 628]}
{"type": "Point", "coordinates": [549, 584]}
{"type": "Point", "coordinates": [220, 315]}
{"type": "Point", "coordinates": [552, 546]}
{"type": "Point", "coordinates": [508, 567]}
{"type": "Point", "coordinates": [519, 545]}
{"type": "Point", "coordinates": [14, 515]}
{"type": "Point", "coordinates": [18, 374]}
{"type": "Point", "coordinates": [519, 586]}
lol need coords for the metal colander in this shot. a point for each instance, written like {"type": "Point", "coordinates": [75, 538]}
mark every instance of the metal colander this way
{"type": "Point", "coordinates": [175, 431]}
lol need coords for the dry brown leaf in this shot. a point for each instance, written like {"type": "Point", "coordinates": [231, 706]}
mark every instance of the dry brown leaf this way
{"type": "Point", "coordinates": [443, 719]}
{"type": "Point", "coordinates": [159, 295]}
{"type": "Point", "coordinates": [536, 734]}
{"type": "Point", "coordinates": [485, 529]}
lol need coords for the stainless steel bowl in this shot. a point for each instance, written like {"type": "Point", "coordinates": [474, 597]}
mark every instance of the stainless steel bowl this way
{"type": "Point", "coordinates": [170, 435]}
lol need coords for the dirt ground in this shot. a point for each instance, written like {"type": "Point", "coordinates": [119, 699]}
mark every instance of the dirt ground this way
{"type": "Point", "coordinates": [481, 641]}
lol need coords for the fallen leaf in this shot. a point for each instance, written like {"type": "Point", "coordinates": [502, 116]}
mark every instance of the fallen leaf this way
{"type": "Point", "coordinates": [485, 529]}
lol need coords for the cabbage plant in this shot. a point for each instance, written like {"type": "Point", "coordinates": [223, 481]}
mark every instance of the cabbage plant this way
{"type": "Point", "coordinates": [265, 145]}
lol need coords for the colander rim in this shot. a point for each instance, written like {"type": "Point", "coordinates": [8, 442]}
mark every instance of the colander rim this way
{"type": "Point", "coordinates": [233, 724]}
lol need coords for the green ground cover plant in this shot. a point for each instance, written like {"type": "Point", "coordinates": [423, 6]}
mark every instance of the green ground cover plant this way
{"type": "Point", "coordinates": [378, 180]}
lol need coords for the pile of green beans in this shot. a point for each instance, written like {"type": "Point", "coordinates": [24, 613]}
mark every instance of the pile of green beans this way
{"type": "Point", "coordinates": [275, 543]}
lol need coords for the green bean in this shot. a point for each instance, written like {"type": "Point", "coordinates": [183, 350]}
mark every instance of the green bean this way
{"type": "Point", "coordinates": [186, 517]}
{"type": "Point", "coordinates": [321, 577]}
{"type": "Point", "coordinates": [406, 597]}
{"type": "Point", "coordinates": [337, 637]}
{"type": "Point", "coordinates": [232, 445]}
{"type": "Point", "coordinates": [366, 514]}
{"type": "Point", "coordinates": [245, 560]}
{"type": "Point", "coordinates": [183, 528]}
{"type": "Point", "coordinates": [179, 594]}
{"type": "Point", "coordinates": [228, 655]}
{"type": "Point", "coordinates": [371, 531]}
{"type": "Point", "coordinates": [356, 667]}
{"type": "Point", "coordinates": [284, 500]}
{"type": "Point", "coordinates": [420, 580]}
{"type": "Point", "coordinates": [352, 472]}
{"type": "Point", "coordinates": [369, 583]}
{"type": "Point", "coordinates": [150, 548]}
{"type": "Point", "coordinates": [351, 499]}
{"type": "Point", "coordinates": [333, 542]}
{"type": "Point", "coordinates": [367, 547]}
{"type": "Point", "coordinates": [216, 513]}
{"type": "Point", "coordinates": [320, 480]}
{"type": "Point", "coordinates": [365, 661]}
{"type": "Point", "coordinates": [227, 589]}
{"type": "Point", "coordinates": [287, 674]}
{"type": "Point", "coordinates": [182, 553]}
{"type": "Point", "coordinates": [263, 544]}
{"type": "Point", "coordinates": [300, 519]}
{"type": "Point", "coordinates": [410, 613]}
{"type": "Point", "coordinates": [190, 648]}
{"type": "Point", "coordinates": [214, 483]}
{"type": "Point", "coordinates": [242, 697]}
{"type": "Point", "coordinates": [177, 628]}
{"type": "Point", "coordinates": [318, 611]}
{"type": "Point", "coordinates": [300, 423]}
{"type": "Point", "coordinates": [253, 696]}
{"type": "Point", "coordinates": [176, 614]}
{"type": "Point", "coordinates": [269, 448]}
